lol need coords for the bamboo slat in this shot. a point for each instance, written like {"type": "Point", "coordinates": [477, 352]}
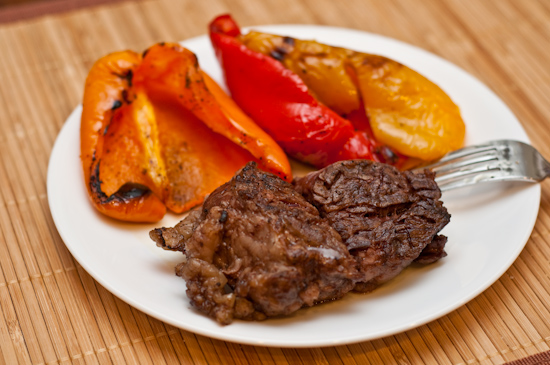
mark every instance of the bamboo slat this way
{"type": "Point", "coordinates": [53, 311]}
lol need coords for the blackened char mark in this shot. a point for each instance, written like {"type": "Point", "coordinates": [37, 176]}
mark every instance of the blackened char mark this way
{"type": "Point", "coordinates": [289, 40]}
{"type": "Point", "coordinates": [116, 104]}
{"type": "Point", "coordinates": [124, 195]}
{"type": "Point", "coordinates": [125, 97]}
{"type": "Point", "coordinates": [279, 56]}
{"type": "Point", "coordinates": [282, 50]}
{"type": "Point", "coordinates": [129, 76]}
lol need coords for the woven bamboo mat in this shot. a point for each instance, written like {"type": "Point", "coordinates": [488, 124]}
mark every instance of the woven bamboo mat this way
{"type": "Point", "coordinates": [52, 311]}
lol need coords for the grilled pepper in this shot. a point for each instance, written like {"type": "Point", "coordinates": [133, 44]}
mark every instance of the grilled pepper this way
{"type": "Point", "coordinates": [157, 133]}
{"type": "Point", "coordinates": [324, 103]}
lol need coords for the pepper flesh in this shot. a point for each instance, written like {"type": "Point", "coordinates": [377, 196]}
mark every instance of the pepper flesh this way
{"type": "Point", "coordinates": [105, 102]}
{"type": "Point", "coordinates": [322, 68]}
{"type": "Point", "coordinates": [153, 135]}
{"type": "Point", "coordinates": [404, 110]}
{"type": "Point", "coordinates": [279, 101]}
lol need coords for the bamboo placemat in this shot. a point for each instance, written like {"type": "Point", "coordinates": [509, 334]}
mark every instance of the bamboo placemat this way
{"type": "Point", "coordinates": [52, 311]}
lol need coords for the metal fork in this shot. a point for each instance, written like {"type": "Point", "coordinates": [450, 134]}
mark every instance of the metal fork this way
{"type": "Point", "coordinates": [500, 160]}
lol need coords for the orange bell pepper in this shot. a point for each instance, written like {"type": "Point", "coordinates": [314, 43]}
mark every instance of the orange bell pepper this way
{"type": "Point", "coordinates": [157, 133]}
{"type": "Point", "coordinates": [106, 105]}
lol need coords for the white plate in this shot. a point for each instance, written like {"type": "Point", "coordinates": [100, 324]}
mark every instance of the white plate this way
{"type": "Point", "coordinates": [489, 227]}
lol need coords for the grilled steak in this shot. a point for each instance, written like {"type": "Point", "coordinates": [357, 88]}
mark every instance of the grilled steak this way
{"type": "Point", "coordinates": [257, 248]}
{"type": "Point", "coordinates": [386, 218]}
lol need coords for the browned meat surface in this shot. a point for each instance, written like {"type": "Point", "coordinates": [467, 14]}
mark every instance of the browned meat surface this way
{"type": "Point", "coordinates": [387, 218]}
{"type": "Point", "coordinates": [433, 251]}
{"type": "Point", "coordinates": [257, 248]}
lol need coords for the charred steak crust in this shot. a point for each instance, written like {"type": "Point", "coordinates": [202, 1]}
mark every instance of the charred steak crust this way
{"type": "Point", "coordinates": [173, 239]}
{"type": "Point", "coordinates": [386, 218]}
{"type": "Point", "coordinates": [257, 248]}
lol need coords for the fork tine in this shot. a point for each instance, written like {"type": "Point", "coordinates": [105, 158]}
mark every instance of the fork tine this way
{"type": "Point", "coordinates": [482, 156]}
{"type": "Point", "coordinates": [459, 154]}
{"type": "Point", "coordinates": [465, 151]}
{"type": "Point", "coordinates": [459, 173]}
{"type": "Point", "coordinates": [470, 179]}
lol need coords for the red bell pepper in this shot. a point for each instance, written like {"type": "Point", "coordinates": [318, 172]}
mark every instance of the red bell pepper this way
{"type": "Point", "coordinates": [280, 102]}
